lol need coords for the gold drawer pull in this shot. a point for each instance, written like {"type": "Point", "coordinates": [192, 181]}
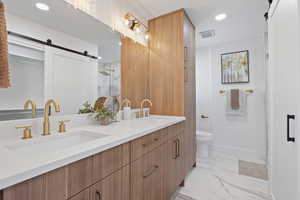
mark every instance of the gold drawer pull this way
{"type": "Point", "coordinates": [175, 156]}
{"type": "Point", "coordinates": [151, 171]}
{"type": "Point", "coordinates": [178, 148]}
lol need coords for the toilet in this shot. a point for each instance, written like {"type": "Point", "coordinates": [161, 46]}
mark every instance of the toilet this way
{"type": "Point", "coordinates": [204, 143]}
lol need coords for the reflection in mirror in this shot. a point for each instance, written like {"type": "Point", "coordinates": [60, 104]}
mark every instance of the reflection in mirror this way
{"type": "Point", "coordinates": [62, 54]}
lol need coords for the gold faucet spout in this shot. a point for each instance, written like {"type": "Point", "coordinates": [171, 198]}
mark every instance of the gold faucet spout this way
{"type": "Point", "coordinates": [33, 107]}
{"type": "Point", "coordinates": [46, 124]}
{"type": "Point", "coordinates": [142, 106]}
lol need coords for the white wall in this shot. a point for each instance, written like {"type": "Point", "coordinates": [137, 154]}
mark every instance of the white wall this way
{"type": "Point", "coordinates": [204, 89]}
{"type": "Point", "coordinates": [64, 72]}
{"type": "Point", "coordinates": [29, 28]}
{"type": "Point", "coordinates": [27, 76]}
{"type": "Point", "coordinates": [243, 137]}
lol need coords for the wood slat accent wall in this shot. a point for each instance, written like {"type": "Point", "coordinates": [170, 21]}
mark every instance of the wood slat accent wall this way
{"type": "Point", "coordinates": [134, 70]}
{"type": "Point", "coordinates": [166, 61]}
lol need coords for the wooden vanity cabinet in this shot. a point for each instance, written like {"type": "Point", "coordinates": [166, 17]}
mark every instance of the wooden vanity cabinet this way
{"type": "Point", "coordinates": [148, 168]}
{"type": "Point", "coordinates": [189, 92]}
{"type": "Point", "coordinates": [74, 180]}
{"type": "Point", "coordinates": [176, 163]}
{"type": "Point", "coordinates": [172, 81]}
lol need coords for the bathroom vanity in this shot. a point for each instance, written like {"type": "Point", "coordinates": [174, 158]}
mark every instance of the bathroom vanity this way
{"type": "Point", "coordinates": [70, 156]}
{"type": "Point", "coordinates": [131, 160]}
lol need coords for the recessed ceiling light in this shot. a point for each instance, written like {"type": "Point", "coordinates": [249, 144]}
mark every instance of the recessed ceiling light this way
{"type": "Point", "coordinates": [221, 17]}
{"type": "Point", "coordinates": [42, 6]}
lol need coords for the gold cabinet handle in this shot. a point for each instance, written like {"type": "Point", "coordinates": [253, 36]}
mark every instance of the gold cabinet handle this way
{"type": "Point", "coordinates": [176, 146]}
{"type": "Point", "coordinates": [26, 131]}
{"type": "Point", "coordinates": [98, 195]}
{"type": "Point", "coordinates": [178, 149]}
{"type": "Point", "coordinates": [62, 125]}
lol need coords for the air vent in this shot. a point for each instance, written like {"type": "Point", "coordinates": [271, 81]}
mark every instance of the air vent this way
{"type": "Point", "coordinates": [207, 34]}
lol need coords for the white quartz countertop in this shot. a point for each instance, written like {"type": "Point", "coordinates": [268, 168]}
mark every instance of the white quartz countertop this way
{"type": "Point", "coordinates": [18, 166]}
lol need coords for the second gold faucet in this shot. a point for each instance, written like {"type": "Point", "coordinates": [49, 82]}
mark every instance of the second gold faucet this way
{"type": "Point", "coordinates": [142, 115]}
{"type": "Point", "coordinates": [46, 124]}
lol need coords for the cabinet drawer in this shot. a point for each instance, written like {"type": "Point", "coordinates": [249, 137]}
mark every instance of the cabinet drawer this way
{"type": "Point", "coordinates": [114, 187]}
{"type": "Point", "coordinates": [109, 161]}
{"type": "Point", "coordinates": [55, 184]}
{"type": "Point", "coordinates": [29, 190]}
{"type": "Point", "coordinates": [148, 175]}
{"type": "Point", "coordinates": [145, 144]}
{"type": "Point", "coordinates": [175, 130]}
{"type": "Point", "coordinates": [79, 176]}
{"type": "Point", "coordinates": [84, 195]}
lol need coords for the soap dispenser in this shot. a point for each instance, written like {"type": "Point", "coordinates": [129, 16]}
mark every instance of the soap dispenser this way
{"type": "Point", "coordinates": [126, 109]}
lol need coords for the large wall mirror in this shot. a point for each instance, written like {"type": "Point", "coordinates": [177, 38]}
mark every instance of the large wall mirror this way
{"type": "Point", "coordinates": [62, 54]}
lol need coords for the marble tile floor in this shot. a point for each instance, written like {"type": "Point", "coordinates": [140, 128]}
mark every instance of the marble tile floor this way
{"type": "Point", "coordinates": [219, 179]}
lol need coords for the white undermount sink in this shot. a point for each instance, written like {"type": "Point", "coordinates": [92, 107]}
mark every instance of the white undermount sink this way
{"type": "Point", "coordinates": [54, 143]}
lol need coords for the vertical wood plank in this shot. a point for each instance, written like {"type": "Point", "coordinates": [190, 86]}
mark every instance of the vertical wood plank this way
{"type": "Point", "coordinates": [79, 176]}
{"type": "Point", "coordinates": [109, 161]}
{"type": "Point", "coordinates": [30, 190]}
{"type": "Point", "coordinates": [134, 72]}
{"type": "Point", "coordinates": [56, 184]}
{"type": "Point", "coordinates": [166, 64]}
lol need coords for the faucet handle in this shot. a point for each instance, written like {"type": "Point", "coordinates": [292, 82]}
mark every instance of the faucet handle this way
{"type": "Point", "coordinates": [26, 131]}
{"type": "Point", "coordinates": [62, 125]}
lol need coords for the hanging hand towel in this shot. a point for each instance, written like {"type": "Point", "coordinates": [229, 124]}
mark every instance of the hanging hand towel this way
{"type": "Point", "coordinates": [4, 71]}
{"type": "Point", "coordinates": [236, 102]}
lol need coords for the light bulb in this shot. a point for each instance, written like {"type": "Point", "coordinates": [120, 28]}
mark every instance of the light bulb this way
{"type": "Point", "coordinates": [137, 30]}
{"type": "Point", "coordinates": [221, 17]}
{"type": "Point", "coordinates": [42, 6]}
{"type": "Point", "coordinates": [126, 22]}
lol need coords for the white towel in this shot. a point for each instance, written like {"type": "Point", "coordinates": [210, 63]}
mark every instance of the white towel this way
{"type": "Point", "coordinates": [242, 111]}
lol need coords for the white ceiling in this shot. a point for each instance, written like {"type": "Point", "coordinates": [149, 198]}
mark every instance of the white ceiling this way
{"type": "Point", "coordinates": [245, 17]}
{"type": "Point", "coordinates": [64, 18]}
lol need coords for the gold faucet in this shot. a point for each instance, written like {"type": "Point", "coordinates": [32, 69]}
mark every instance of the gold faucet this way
{"type": "Point", "coordinates": [46, 124]}
{"type": "Point", "coordinates": [127, 103]}
{"type": "Point", "coordinates": [33, 107]}
{"type": "Point", "coordinates": [142, 107]}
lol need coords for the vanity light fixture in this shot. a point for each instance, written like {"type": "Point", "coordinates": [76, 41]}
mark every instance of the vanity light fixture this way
{"type": "Point", "coordinates": [42, 6]}
{"type": "Point", "coordinates": [221, 17]}
{"type": "Point", "coordinates": [134, 24]}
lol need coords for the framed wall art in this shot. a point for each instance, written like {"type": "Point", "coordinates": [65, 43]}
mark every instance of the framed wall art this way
{"type": "Point", "coordinates": [235, 67]}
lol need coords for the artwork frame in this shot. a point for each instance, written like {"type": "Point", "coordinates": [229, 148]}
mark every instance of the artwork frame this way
{"type": "Point", "coordinates": [235, 67]}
